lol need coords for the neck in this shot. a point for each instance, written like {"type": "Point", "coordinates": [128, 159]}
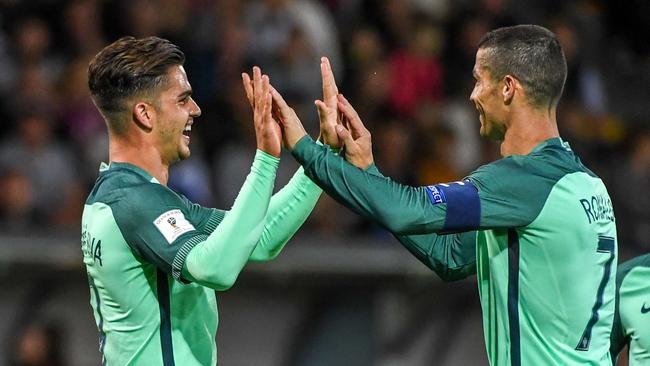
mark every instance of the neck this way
{"type": "Point", "coordinates": [527, 129]}
{"type": "Point", "coordinates": [141, 154]}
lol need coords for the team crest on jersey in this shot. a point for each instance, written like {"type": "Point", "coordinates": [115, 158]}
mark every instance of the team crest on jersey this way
{"type": "Point", "coordinates": [172, 224]}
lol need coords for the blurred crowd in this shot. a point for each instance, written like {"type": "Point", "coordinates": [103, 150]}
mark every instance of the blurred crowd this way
{"type": "Point", "coordinates": [404, 64]}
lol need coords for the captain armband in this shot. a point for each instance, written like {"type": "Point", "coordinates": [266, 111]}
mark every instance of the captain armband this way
{"type": "Point", "coordinates": [462, 201]}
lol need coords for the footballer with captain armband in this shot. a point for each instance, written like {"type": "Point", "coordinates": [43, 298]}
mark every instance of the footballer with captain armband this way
{"type": "Point", "coordinates": [536, 227]}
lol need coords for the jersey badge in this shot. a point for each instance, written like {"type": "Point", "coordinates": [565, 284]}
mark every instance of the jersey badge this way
{"type": "Point", "coordinates": [172, 224]}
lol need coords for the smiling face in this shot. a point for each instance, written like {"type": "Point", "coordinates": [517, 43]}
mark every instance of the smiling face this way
{"type": "Point", "coordinates": [175, 113]}
{"type": "Point", "coordinates": [488, 99]}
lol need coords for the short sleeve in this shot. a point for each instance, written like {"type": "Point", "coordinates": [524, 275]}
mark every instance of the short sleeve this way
{"type": "Point", "coordinates": [160, 226]}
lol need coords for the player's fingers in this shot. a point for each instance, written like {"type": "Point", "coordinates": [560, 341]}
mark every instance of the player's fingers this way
{"type": "Point", "coordinates": [257, 83]}
{"type": "Point", "coordinates": [282, 106]}
{"type": "Point", "coordinates": [326, 115]}
{"type": "Point", "coordinates": [346, 137]}
{"type": "Point", "coordinates": [323, 73]}
{"type": "Point", "coordinates": [322, 111]}
{"type": "Point", "coordinates": [248, 87]}
{"type": "Point", "coordinates": [266, 94]}
{"type": "Point", "coordinates": [329, 83]}
{"type": "Point", "coordinates": [330, 72]}
{"type": "Point", "coordinates": [355, 124]}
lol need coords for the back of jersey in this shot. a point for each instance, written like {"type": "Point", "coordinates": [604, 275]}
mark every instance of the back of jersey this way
{"type": "Point", "coordinates": [553, 277]}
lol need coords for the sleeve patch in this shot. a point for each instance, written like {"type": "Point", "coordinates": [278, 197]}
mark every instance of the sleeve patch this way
{"type": "Point", "coordinates": [436, 195]}
{"type": "Point", "coordinates": [463, 204]}
{"type": "Point", "coordinates": [172, 224]}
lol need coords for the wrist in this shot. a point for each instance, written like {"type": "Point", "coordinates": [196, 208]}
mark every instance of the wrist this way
{"type": "Point", "coordinates": [296, 141]}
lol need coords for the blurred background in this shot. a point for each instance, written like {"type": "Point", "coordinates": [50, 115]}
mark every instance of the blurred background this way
{"type": "Point", "coordinates": [343, 292]}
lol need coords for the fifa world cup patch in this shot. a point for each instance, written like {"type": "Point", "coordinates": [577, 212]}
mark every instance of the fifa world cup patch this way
{"type": "Point", "coordinates": [172, 224]}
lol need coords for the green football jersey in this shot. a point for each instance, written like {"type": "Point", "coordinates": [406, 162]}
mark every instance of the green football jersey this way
{"type": "Point", "coordinates": [632, 319]}
{"type": "Point", "coordinates": [537, 229]}
{"type": "Point", "coordinates": [154, 258]}
{"type": "Point", "coordinates": [135, 235]}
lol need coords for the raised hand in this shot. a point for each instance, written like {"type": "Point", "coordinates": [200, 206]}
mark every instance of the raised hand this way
{"type": "Point", "coordinates": [292, 128]}
{"type": "Point", "coordinates": [328, 113]}
{"type": "Point", "coordinates": [267, 131]}
{"type": "Point", "coordinates": [357, 141]}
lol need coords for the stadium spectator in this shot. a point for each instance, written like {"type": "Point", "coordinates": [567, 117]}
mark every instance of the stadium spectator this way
{"type": "Point", "coordinates": [631, 180]}
{"type": "Point", "coordinates": [33, 152]}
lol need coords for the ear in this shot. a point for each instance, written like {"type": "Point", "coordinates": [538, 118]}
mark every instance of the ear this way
{"type": "Point", "coordinates": [508, 89]}
{"type": "Point", "coordinates": [143, 115]}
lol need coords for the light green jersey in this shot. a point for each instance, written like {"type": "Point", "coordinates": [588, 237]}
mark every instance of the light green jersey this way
{"type": "Point", "coordinates": [632, 320]}
{"type": "Point", "coordinates": [154, 259]}
{"type": "Point", "coordinates": [538, 230]}
{"type": "Point", "coordinates": [136, 234]}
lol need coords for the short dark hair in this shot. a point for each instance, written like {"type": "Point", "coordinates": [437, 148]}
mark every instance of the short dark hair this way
{"type": "Point", "coordinates": [533, 55]}
{"type": "Point", "coordinates": [127, 68]}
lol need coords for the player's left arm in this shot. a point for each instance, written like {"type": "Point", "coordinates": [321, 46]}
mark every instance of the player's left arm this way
{"type": "Point", "coordinates": [288, 210]}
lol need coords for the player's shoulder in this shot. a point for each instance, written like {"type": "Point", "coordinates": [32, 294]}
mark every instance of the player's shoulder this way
{"type": "Point", "coordinates": [626, 267]}
{"type": "Point", "coordinates": [125, 185]}
{"type": "Point", "coordinates": [549, 161]}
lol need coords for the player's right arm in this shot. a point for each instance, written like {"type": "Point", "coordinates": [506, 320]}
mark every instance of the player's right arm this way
{"type": "Point", "coordinates": [217, 261]}
{"type": "Point", "coordinates": [452, 257]}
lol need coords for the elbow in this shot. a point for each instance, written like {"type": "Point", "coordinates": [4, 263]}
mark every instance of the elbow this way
{"type": "Point", "coordinates": [219, 281]}
{"type": "Point", "coordinates": [224, 283]}
{"type": "Point", "coordinates": [395, 225]}
{"type": "Point", "coordinates": [448, 277]}
{"type": "Point", "coordinates": [264, 256]}
{"type": "Point", "coordinates": [454, 274]}
{"type": "Point", "coordinates": [390, 222]}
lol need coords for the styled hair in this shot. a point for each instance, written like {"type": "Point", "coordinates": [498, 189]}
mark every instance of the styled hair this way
{"type": "Point", "coordinates": [531, 54]}
{"type": "Point", "coordinates": [129, 68]}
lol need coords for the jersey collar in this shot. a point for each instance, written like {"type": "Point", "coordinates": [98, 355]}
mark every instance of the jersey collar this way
{"type": "Point", "coordinates": [103, 167]}
{"type": "Point", "coordinates": [553, 141]}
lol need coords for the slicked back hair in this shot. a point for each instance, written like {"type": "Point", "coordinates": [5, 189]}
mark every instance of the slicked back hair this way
{"type": "Point", "coordinates": [129, 68]}
{"type": "Point", "coordinates": [531, 54]}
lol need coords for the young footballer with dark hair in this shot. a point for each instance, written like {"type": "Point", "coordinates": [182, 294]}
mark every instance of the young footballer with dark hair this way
{"type": "Point", "coordinates": [153, 257]}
